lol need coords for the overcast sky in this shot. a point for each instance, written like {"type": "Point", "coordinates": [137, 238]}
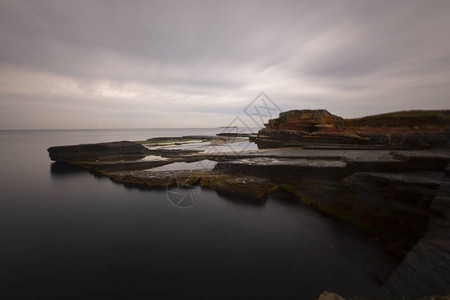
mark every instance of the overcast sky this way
{"type": "Point", "coordinates": [142, 64]}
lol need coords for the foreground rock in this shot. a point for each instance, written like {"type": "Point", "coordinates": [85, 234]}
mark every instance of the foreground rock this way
{"type": "Point", "coordinates": [405, 130]}
{"type": "Point", "coordinates": [392, 205]}
{"type": "Point", "coordinates": [424, 274]}
{"type": "Point", "coordinates": [425, 270]}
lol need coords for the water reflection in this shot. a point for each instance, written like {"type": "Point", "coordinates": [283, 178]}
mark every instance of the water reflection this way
{"type": "Point", "coordinates": [71, 233]}
{"type": "Point", "coordinates": [66, 172]}
{"type": "Point", "coordinates": [59, 170]}
{"type": "Point", "coordinates": [354, 244]}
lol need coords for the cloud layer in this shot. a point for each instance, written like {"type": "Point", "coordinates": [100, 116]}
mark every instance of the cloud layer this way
{"type": "Point", "coordinates": [140, 64]}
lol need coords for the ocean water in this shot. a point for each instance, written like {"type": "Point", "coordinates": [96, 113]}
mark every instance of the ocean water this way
{"type": "Point", "coordinates": [67, 233]}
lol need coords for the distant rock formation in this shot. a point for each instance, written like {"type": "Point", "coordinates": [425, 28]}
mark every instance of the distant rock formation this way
{"type": "Point", "coordinates": [407, 130]}
{"type": "Point", "coordinates": [305, 120]}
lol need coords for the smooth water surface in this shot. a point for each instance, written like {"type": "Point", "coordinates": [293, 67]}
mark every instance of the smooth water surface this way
{"type": "Point", "coordinates": [67, 233]}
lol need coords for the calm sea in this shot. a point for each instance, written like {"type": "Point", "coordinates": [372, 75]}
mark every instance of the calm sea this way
{"type": "Point", "coordinates": [65, 233]}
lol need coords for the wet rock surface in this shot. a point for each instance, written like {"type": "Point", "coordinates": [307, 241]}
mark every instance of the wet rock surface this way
{"type": "Point", "coordinates": [271, 167]}
{"type": "Point", "coordinates": [102, 151]}
{"type": "Point", "coordinates": [159, 179]}
{"type": "Point", "coordinates": [247, 187]}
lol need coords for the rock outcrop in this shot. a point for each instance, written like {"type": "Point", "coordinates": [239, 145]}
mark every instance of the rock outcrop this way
{"type": "Point", "coordinates": [305, 120]}
{"type": "Point", "coordinates": [425, 270]}
{"type": "Point", "coordinates": [246, 186]}
{"type": "Point", "coordinates": [404, 130]}
{"type": "Point", "coordinates": [113, 151]}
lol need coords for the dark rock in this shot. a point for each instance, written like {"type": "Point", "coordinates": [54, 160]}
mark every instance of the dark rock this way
{"type": "Point", "coordinates": [187, 137]}
{"type": "Point", "coordinates": [439, 156]}
{"type": "Point", "coordinates": [423, 273]}
{"type": "Point", "coordinates": [117, 166]}
{"type": "Point", "coordinates": [426, 268]}
{"type": "Point", "coordinates": [234, 134]}
{"type": "Point", "coordinates": [101, 151]}
{"type": "Point", "coordinates": [182, 178]}
{"type": "Point", "coordinates": [394, 205]}
{"type": "Point", "coordinates": [274, 136]}
{"type": "Point", "coordinates": [172, 153]}
{"type": "Point", "coordinates": [414, 189]}
{"type": "Point", "coordinates": [273, 167]}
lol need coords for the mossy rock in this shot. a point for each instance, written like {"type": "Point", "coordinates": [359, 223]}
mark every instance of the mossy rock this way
{"type": "Point", "coordinates": [247, 187]}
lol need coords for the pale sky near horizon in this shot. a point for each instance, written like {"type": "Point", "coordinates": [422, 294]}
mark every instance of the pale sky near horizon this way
{"type": "Point", "coordinates": [143, 64]}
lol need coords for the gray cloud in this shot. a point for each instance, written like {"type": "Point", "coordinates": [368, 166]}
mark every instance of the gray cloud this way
{"type": "Point", "coordinates": [110, 64]}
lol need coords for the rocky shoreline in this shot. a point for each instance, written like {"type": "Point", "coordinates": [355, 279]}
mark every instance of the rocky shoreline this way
{"type": "Point", "coordinates": [399, 130]}
{"type": "Point", "coordinates": [393, 191]}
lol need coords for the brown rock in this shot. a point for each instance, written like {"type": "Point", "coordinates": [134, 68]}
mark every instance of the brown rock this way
{"type": "Point", "coordinates": [304, 120]}
{"type": "Point", "coordinates": [408, 129]}
{"type": "Point", "coordinates": [330, 296]}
